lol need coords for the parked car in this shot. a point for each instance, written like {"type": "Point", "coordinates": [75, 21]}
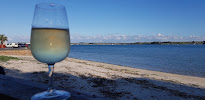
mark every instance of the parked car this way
{"type": "Point", "coordinates": [12, 45]}
{"type": "Point", "coordinates": [22, 44]}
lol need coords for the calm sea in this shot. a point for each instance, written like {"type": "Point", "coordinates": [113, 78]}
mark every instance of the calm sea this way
{"type": "Point", "coordinates": [178, 59]}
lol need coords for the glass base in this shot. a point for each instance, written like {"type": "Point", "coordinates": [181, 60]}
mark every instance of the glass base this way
{"type": "Point", "coordinates": [55, 95]}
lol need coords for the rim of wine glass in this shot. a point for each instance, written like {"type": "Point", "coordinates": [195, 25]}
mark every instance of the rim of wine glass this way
{"type": "Point", "coordinates": [50, 6]}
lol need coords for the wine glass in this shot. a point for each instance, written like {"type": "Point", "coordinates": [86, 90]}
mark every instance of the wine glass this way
{"type": "Point", "coordinates": [50, 43]}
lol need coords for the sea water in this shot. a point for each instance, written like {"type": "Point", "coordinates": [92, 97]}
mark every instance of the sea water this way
{"type": "Point", "coordinates": [178, 59]}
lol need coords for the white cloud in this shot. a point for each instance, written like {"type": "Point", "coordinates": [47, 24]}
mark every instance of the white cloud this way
{"type": "Point", "coordinates": [116, 38]}
{"type": "Point", "coordinates": [19, 38]}
{"type": "Point", "coordinates": [134, 38]}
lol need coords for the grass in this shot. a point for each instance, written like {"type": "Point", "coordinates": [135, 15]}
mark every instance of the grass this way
{"type": "Point", "coordinates": [6, 58]}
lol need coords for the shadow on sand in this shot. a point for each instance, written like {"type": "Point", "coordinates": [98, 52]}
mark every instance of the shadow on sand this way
{"type": "Point", "coordinates": [119, 88]}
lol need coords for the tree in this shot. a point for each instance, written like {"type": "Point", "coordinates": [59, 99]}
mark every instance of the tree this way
{"type": "Point", "coordinates": [3, 38]}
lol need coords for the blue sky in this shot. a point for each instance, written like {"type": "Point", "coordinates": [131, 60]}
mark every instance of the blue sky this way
{"type": "Point", "coordinates": [113, 20]}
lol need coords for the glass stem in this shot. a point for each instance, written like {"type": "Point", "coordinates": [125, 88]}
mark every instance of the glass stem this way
{"type": "Point", "coordinates": [50, 75]}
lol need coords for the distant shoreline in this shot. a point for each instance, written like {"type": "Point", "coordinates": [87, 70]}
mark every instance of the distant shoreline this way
{"type": "Point", "coordinates": [140, 43]}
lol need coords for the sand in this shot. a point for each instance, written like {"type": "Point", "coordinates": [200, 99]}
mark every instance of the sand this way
{"type": "Point", "coordinates": [107, 80]}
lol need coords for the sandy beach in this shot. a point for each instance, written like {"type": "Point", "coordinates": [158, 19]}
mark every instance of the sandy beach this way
{"type": "Point", "coordinates": [107, 80]}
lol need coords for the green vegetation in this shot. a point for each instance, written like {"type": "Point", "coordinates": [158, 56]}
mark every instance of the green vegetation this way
{"type": "Point", "coordinates": [3, 38]}
{"type": "Point", "coordinates": [6, 58]}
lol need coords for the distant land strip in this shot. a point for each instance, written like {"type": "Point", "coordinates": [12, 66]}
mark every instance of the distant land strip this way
{"type": "Point", "coordinates": [160, 43]}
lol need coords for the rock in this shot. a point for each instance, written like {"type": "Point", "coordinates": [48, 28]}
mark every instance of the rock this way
{"type": "Point", "coordinates": [2, 70]}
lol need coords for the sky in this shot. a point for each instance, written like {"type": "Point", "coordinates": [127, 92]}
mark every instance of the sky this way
{"type": "Point", "coordinates": [112, 20]}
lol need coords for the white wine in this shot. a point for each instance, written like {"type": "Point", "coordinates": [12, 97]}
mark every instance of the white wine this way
{"type": "Point", "coordinates": [50, 45]}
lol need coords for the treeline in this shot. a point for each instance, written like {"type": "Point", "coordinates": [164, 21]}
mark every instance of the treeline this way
{"type": "Point", "coordinates": [168, 42]}
{"type": "Point", "coordinates": [165, 43]}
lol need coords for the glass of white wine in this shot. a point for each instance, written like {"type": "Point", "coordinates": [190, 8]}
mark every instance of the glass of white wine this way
{"type": "Point", "coordinates": [50, 43]}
